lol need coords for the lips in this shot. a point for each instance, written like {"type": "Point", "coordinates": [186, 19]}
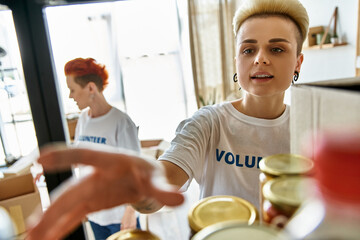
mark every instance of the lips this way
{"type": "Point", "coordinates": [261, 76]}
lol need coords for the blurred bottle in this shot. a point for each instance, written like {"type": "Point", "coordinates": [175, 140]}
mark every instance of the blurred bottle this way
{"type": "Point", "coordinates": [334, 210]}
{"type": "Point", "coordinates": [7, 227]}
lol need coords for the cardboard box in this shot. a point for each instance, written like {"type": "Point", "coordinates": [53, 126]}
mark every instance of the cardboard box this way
{"type": "Point", "coordinates": [20, 197]}
{"type": "Point", "coordinates": [71, 122]}
{"type": "Point", "coordinates": [323, 105]}
{"type": "Point", "coordinates": [23, 165]}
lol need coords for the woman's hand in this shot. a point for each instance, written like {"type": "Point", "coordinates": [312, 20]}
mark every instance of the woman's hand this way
{"type": "Point", "coordinates": [117, 178]}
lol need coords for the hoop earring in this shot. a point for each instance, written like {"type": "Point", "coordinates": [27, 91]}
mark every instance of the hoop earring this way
{"type": "Point", "coordinates": [235, 79]}
{"type": "Point", "coordinates": [295, 77]}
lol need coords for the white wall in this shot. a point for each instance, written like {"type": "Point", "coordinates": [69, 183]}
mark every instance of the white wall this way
{"type": "Point", "coordinates": [338, 62]}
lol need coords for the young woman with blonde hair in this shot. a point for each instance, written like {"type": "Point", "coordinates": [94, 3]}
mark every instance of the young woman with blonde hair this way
{"type": "Point", "coordinates": [220, 146]}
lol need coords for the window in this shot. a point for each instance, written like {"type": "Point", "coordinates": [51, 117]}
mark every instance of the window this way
{"type": "Point", "coordinates": [17, 131]}
{"type": "Point", "coordinates": [144, 46]}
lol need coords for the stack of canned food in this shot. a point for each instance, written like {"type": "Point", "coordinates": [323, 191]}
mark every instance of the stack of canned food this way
{"type": "Point", "coordinates": [228, 217]}
{"type": "Point", "coordinates": [283, 182]}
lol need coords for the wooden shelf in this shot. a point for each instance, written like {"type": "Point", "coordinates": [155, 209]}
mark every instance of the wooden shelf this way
{"type": "Point", "coordinates": [325, 46]}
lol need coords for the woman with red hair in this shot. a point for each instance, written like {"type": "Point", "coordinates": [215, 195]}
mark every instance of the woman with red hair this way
{"type": "Point", "coordinates": [101, 123]}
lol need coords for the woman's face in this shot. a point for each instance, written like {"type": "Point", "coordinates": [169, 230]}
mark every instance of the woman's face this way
{"type": "Point", "coordinates": [79, 94]}
{"type": "Point", "coordinates": [266, 55]}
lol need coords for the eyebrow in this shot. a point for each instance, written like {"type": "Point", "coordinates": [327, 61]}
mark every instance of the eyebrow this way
{"type": "Point", "coordinates": [278, 40]}
{"type": "Point", "coordinates": [270, 41]}
{"type": "Point", "coordinates": [249, 41]}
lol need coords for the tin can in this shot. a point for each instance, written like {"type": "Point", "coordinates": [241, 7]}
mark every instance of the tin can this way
{"type": "Point", "coordinates": [132, 234]}
{"type": "Point", "coordinates": [282, 197]}
{"type": "Point", "coordinates": [216, 209]}
{"type": "Point", "coordinates": [282, 165]}
{"type": "Point", "coordinates": [234, 230]}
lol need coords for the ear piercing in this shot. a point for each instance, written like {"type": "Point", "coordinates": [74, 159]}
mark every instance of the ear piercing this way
{"type": "Point", "coordinates": [295, 77]}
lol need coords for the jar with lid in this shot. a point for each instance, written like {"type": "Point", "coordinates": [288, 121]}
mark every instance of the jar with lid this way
{"type": "Point", "coordinates": [222, 208]}
{"type": "Point", "coordinates": [278, 165]}
{"type": "Point", "coordinates": [234, 230]}
{"type": "Point", "coordinates": [333, 212]}
{"type": "Point", "coordinates": [132, 234]}
{"type": "Point", "coordinates": [282, 197]}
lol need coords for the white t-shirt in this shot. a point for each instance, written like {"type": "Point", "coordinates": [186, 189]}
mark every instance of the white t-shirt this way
{"type": "Point", "coordinates": [221, 148]}
{"type": "Point", "coordinates": [115, 129]}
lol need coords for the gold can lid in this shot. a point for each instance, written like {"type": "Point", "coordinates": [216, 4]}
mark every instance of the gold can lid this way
{"type": "Point", "coordinates": [221, 208]}
{"type": "Point", "coordinates": [289, 191]}
{"type": "Point", "coordinates": [286, 164]}
{"type": "Point", "coordinates": [234, 230]}
{"type": "Point", "coordinates": [132, 234]}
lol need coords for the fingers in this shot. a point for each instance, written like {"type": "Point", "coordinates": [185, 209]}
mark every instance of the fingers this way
{"type": "Point", "coordinates": [82, 197]}
{"type": "Point", "coordinates": [165, 197]}
{"type": "Point", "coordinates": [161, 190]}
{"type": "Point", "coordinates": [57, 157]}
{"type": "Point", "coordinates": [60, 157]}
{"type": "Point", "coordinates": [155, 186]}
{"type": "Point", "coordinates": [118, 178]}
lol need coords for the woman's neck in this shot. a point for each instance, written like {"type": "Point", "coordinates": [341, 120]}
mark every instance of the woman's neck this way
{"type": "Point", "coordinates": [260, 107]}
{"type": "Point", "coordinates": [99, 107]}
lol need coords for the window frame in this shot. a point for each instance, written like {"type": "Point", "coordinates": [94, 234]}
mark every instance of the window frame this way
{"type": "Point", "coordinates": [40, 80]}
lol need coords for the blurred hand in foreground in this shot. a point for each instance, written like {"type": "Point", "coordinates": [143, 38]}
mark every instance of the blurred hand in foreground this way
{"type": "Point", "coordinates": [117, 178]}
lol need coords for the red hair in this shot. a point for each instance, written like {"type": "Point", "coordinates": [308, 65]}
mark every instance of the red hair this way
{"type": "Point", "coordinates": [81, 67]}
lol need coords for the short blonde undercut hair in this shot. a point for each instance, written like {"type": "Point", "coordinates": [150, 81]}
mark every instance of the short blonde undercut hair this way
{"type": "Point", "coordinates": [288, 8]}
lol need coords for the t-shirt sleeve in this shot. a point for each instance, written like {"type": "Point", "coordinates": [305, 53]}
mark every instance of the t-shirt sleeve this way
{"type": "Point", "coordinates": [128, 135]}
{"type": "Point", "coordinates": [189, 148]}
